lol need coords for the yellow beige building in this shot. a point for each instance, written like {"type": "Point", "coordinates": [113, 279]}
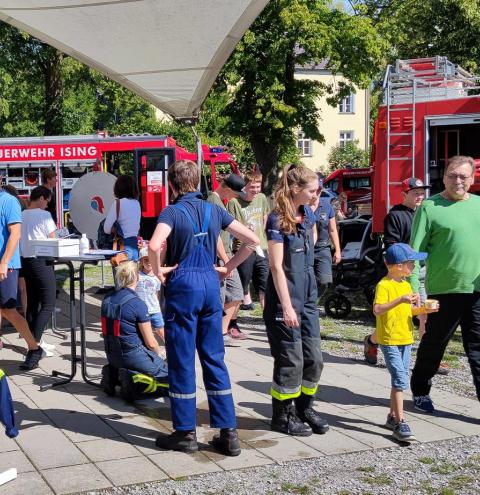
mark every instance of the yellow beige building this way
{"type": "Point", "coordinates": [349, 121]}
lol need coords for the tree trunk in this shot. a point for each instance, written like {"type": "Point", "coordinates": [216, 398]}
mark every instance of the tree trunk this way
{"type": "Point", "coordinates": [266, 155]}
{"type": "Point", "coordinates": [53, 92]}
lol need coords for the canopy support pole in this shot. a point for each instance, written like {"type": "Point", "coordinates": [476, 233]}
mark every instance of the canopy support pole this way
{"type": "Point", "coordinates": [198, 143]}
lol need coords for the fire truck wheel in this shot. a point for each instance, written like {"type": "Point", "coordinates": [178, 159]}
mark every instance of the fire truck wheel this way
{"type": "Point", "coordinates": [337, 306]}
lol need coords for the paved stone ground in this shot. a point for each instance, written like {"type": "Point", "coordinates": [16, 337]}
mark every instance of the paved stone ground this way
{"type": "Point", "coordinates": [74, 438]}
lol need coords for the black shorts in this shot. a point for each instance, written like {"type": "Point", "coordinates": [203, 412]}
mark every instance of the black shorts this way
{"type": "Point", "coordinates": [8, 290]}
{"type": "Point", "coordinates": [254, 269]}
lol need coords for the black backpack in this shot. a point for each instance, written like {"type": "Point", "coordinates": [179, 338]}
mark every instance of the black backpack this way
{"type": "Point", "coordinates": [105, 241]}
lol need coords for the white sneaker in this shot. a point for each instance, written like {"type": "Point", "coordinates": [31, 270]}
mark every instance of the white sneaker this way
{"type": "Point", "coordinates": [46, 346]}
{"type": "Point", "coordinates": [229, 342]}
{"type": "Point", "coordinates": [46, 353]}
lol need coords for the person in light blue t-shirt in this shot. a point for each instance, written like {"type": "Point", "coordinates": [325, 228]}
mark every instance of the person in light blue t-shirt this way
{"type": "Point", "coordinates": [10, 230]}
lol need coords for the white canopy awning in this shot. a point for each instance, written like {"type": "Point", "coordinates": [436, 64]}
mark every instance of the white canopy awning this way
{"type": "Point", "coordinates": [167, 51]}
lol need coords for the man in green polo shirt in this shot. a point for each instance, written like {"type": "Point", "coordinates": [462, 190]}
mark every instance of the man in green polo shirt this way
{"type": "Point", "coordinates": [447, 227]}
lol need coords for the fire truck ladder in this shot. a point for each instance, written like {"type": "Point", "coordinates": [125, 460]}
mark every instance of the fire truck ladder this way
{"type": "Point", "coordinates": [407, 83]}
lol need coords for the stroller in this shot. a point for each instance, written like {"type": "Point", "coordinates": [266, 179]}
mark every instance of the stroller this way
{"type": "Point", "coordinates": [360, 269]}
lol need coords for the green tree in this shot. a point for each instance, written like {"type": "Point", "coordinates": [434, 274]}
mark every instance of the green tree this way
{"type": "Point", "coordinates": [29, 61]}
{"type": "Point", "coordinates": [415, 28]}
{"type": "Point", "coordinates": [349, 155]}
{"type": "Point", "coordinates": [213, 127]}
{"type": "Point", "coordinates": [47, 93]}
{"type": "Point", "coordinates": [267, 103]}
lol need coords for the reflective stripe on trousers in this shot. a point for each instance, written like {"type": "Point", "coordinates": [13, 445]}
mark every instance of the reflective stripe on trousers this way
{"type": "Point", "coordinates": [194, 322]}
{"type": "Point", "coordinates": [296, 352]}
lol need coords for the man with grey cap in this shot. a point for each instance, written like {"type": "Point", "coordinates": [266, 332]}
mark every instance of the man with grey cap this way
{"type": "Point", "coordinates": [231, 289]}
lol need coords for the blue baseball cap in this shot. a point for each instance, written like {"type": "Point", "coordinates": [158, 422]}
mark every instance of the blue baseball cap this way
{"type": "Point", "coordinates": [400, 253]}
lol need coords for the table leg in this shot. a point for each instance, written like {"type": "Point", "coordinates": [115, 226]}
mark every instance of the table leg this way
{"type": "Point", "coordinates": [73, 342]}
{"type": "Point", "coordinates": [83, 324]}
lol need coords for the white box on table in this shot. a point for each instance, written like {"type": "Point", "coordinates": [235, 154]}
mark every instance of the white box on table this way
{"type": "Point", "coordinates": [57, 248]}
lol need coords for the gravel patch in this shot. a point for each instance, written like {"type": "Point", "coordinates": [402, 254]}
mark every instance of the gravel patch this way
{"type": "Point", "coordinates": [345, 339]}
{"type": "Point", "coordinates": [441, 468]}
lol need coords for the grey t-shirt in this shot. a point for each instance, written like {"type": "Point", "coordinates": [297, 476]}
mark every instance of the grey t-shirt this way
{"type": "Point", "coordinates": [147, 290]}
{"type": "Point", "coordinates": [224, 235]}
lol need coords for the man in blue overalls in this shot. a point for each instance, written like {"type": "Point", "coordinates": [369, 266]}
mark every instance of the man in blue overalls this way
{"type": "Point", "coordinates": [193, 308]}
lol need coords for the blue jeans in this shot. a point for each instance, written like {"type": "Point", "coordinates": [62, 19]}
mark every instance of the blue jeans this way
{"type": "Point", "coordinates": [131, 247]}
{"type": "Point", "coordinates": [397, 359]}
{"type": "Point", "coordinates": [142, 360]}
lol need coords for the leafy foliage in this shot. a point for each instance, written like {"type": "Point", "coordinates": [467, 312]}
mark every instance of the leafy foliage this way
{"type": "Point", "coordinates": [415, 28]}
{"type": "Point", "coordinates": [268, 104]}
{"type": "Point", "coordinates": [83, 101]}
{"type": "Point", "coordinates": [348, 156]}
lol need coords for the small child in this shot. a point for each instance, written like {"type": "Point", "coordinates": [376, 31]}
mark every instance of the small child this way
{"type": "Point", "coordinates": [148, 290]}
{"type": "Point", "coordinates": [394, 306]}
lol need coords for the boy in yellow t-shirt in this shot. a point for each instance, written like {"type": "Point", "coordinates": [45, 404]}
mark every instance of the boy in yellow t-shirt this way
{"type": "Point", "coordinates": [394, 306]}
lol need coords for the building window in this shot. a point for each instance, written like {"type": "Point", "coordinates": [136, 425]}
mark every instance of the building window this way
{"type": "Point", "coordinates": [304, 144]}
{"type": "Point", "coordinates": [345, 136]}
{"type": "Point", "coordinates": [347, 104]}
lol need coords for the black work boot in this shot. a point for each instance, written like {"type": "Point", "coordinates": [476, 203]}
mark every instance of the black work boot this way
{"type": "Point", "coordinates": [109, 379]}
{"type": "Point", "coordinates": [128, 389]}
{"type": "Point", "coordinates": [227, 442]}
{"type": "Point", "coordinates": [285, 419]}
{"type": "Point", "coordinates": [181, 441]}
{"type": "Point", "coordinates": [306, 413]}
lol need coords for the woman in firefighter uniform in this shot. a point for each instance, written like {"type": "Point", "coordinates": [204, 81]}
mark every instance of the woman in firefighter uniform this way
{"type": "Point", "coordinates": [131, 348]}
{"type": "Point", "coordinates": [193, 308]}
{"type": "Point", "coordinates": [291, 314]}
{"type": "Point", "coordinates": [327, 234]}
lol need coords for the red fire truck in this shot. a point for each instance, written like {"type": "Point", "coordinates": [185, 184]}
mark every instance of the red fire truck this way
{"type": "Point", "coordinates": [354, 182]}
{"type": "Point", "coordinates": [431, 111]}
{"type": "Point", "coordinates": [23, 159]}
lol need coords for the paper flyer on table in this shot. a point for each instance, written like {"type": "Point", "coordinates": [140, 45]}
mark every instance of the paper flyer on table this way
{"type": "Point", "coordinates": [102, 252]}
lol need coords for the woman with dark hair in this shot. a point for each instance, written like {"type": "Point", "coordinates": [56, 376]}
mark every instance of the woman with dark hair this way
{"type": "Point", "coordinates": [37, 224]}
{"type": "Point", "coordinates": [327, 235]}
{"type": "Point", "coordinates": [126, 211]}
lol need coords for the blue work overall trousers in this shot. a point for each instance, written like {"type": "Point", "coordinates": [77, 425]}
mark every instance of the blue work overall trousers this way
{"type": "Point", "coordinates": [296, 352]}
{"type": "Point", "coordinates": [193, 320]}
